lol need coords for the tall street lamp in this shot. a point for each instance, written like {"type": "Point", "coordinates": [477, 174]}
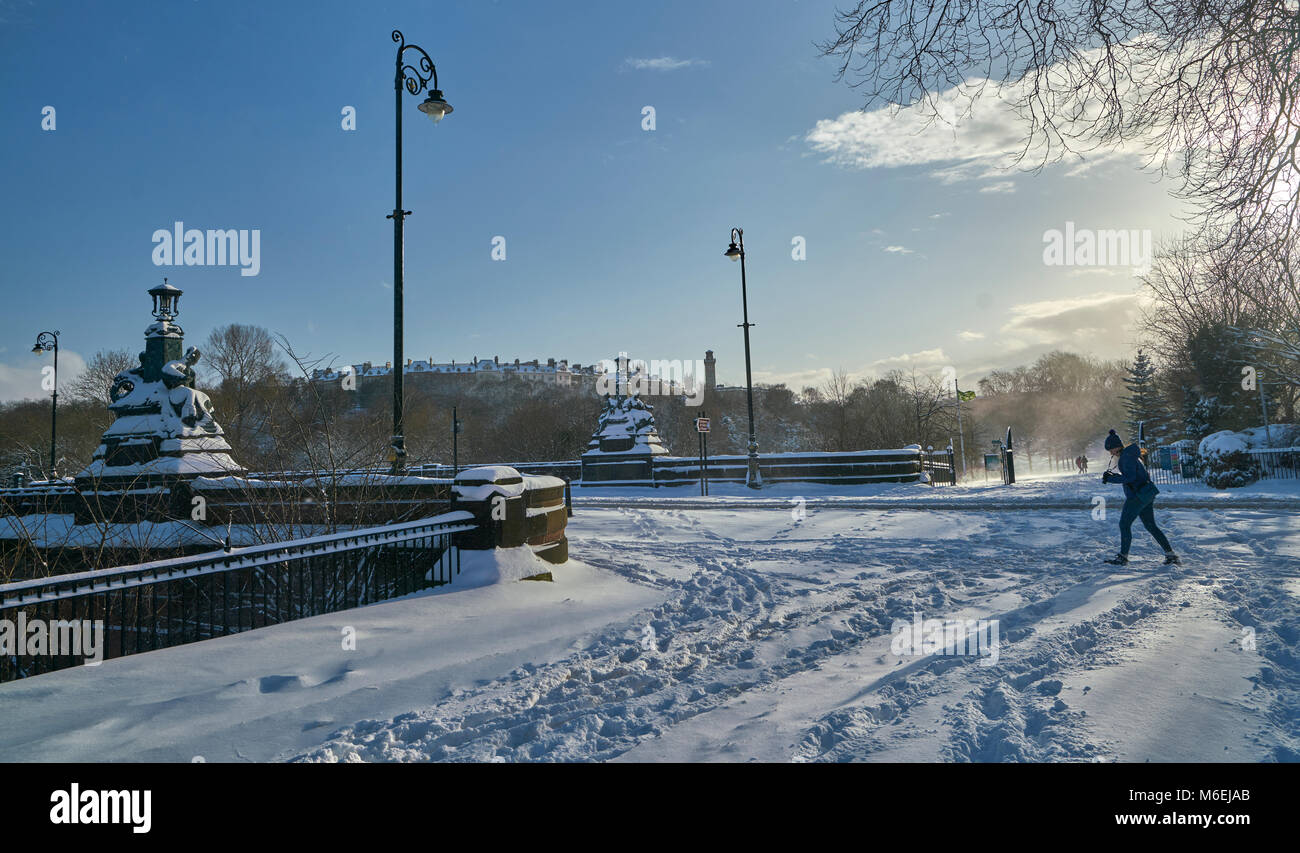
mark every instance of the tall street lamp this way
{"type": "Point", "coordinates": [736, 251]}
{"type": "Point", "coordinates": [49, 342]}
{"type": "Point", "coordinates": [416, 79]}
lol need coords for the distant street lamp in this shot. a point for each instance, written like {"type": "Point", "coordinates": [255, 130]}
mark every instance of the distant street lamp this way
{"type": "Point", "coordinates": [736, 251]}
{"type": "Point", "coordinates": [47, 342]}
{"type": "Point", "coordinates": [416, 79]}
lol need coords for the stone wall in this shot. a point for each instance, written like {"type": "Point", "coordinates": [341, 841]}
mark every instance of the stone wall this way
{"type": "Point", "coordinates": [853, 468]}
{"type": "Point", "coordinates": [513, 510]}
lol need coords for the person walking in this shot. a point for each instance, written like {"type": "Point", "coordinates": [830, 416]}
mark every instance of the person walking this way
{"type": "Point", "coordinates": [1126, 468]}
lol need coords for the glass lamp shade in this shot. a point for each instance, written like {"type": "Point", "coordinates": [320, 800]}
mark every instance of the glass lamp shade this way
{"type": "Point", "coordinates": [166, 300]}
{"type": "Point", "coordinates": [435, 107]}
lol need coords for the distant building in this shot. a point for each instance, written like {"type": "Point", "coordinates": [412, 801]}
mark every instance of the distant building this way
{"type": "Point", "coordinates": [553, 372]}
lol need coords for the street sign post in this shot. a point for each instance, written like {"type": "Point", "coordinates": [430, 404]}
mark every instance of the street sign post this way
{"type": "Point", "coordinates": [702, 428]}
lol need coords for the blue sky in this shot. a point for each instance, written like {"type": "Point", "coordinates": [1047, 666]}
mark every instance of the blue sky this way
{"type": "Point", "coordinates": [921, 248]}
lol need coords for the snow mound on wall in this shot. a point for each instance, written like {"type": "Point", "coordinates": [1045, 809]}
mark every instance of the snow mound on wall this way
{"type": "Point", "coordinates": [1222, 443]}
{"type": "Point", "coordinates": [1282, 435]}
{"type": "Point", "coordinates": [1226, 441]}
{"type": "Point", "coordinates": [488, 474]}
{"type": "Point", "coordinates": [497, 565]}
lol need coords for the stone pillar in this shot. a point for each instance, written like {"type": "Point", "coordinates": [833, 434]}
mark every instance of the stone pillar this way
{"type": "Point", "coordinates": [500, 500]}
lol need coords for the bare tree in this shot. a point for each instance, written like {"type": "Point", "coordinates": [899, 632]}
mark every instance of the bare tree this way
{"type": "Point", "coordinates": [94, 382]}
{"type": "Point", "coordinates": [1210, 89]}
{"type": "Point", "coordinates": [931, 406]}
{"type": "Point", "coordinates": [836, 398]}
{"type": "Point", "coordinates": [1204, 284]}
{"type": "Point", "coordinates": [246, 364]}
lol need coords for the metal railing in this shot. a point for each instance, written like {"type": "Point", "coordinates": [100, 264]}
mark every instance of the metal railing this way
{"type": "Point", "coordinates": [166, 603]}
{"type": "Point", "coordinates": [1277, 463]}
{"type": "Point", "coordinates": [941, 466]}
{"type": "Point", "coordinates": [1175, 465]}
{"type": "Point", "coordinates": [1172, 465]}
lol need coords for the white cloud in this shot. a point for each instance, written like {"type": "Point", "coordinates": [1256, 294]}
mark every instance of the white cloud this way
{"type": "Point", "coordinates": [796, 380]}
{"type": "Point", "coordinates": [661, 63]}
{"type": "Point", "coordinates": [1100, 324]}
{"type": "Point", "coordinates": [922, 360]}
{"type": "Point", "coordinates": [898, 250]}
{"type": "Point", "coordinates": [1098, 321]}
{"type": "Point", "coordinates": [1106, 271]}
{"type": "Point", "coordinates": [926, 361]}
{"type": "Point", "coordinates": [890, 137]}
{"type": "Point", "coordinates": [21, 379]}
{"type": "Point", "coordinates": [1000, 187]}
{"type": "Point", "coordinates": [968, 141]}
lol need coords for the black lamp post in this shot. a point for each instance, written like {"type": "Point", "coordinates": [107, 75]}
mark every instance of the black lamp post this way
{"type": "Point", "coordinates": [736, 251]}
{"type": "Point", "coordinates": [47, 342]}
{"type": "Point", "coordinates": [416, 79]}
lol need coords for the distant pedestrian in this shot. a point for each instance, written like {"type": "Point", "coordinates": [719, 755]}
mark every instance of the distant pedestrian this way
{"type": "Point", "coordinates": [1140, 493]}
{"type": "Point", "coordinates": [1084, 460]}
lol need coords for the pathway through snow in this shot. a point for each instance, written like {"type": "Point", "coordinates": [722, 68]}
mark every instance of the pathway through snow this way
{"type": "Point", "coordinates": [773, 643]}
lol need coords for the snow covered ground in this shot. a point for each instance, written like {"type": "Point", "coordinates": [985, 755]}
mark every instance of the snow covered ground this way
{"type": "Point", "coordinates": [743, 632]}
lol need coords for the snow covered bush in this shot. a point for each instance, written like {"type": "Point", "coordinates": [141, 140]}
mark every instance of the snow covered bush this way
{"type": "Point", "coordinates": [1225, 462]}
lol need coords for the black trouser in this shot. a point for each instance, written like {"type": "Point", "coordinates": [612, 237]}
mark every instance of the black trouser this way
{"type": "Point", "coordinates": [1141, 505]}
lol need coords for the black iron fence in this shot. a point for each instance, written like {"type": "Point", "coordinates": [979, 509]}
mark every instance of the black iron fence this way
{"type": "Point", "coordinates": [184, 600]}
{"type": "Point", "coordinates": [1277, 463]}
{"type": "Point", "coordinates": [1173, 465]}
{"type": "Point", "coordinates": [940, 465]}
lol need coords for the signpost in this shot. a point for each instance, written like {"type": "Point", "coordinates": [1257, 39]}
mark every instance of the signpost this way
{"type": "Point", "coordinates": [702, 427]}
{"type": "Point", "coordinates": [455, 431]}
{"type": "Point", "coordinates": [990, 462]}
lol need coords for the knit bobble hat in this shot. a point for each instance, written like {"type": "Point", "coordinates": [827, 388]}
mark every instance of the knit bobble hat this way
{"type": "Point", "coordinates": [1113, 441]}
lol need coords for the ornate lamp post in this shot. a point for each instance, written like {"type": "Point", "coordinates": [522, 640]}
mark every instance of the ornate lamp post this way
{"type": "Point", "coordinates": [416, 79]}
{"type": "Point", "coordinates": [736, 251]}
{"type": "Point", "coordinates": [47, 342]}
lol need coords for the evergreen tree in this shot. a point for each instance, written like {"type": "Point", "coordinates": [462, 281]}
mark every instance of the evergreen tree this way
{"type": "Point", "coordinates": [1216, 355]}
{"type": "Point", "coordinates": [1199, 414]}
{"type": "Point", "coordinates": [1145, 403]}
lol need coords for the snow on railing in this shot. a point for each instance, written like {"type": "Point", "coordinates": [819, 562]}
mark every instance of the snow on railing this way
{"type": "Point", "coordinates": [148, 606]}
{"type": "Point", "coordinates": [236, 559]}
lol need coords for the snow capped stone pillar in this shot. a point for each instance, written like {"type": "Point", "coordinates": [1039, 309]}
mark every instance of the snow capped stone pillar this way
{"type": "Point", "coordinates": [513, 510]}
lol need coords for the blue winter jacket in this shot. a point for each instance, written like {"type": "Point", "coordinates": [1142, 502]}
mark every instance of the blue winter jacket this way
{"type": "Point", "coordinates": [1132, 473]}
